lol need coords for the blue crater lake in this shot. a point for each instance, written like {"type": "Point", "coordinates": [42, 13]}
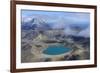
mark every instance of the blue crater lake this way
{"type": "Point", "coordinates": [56, 50]}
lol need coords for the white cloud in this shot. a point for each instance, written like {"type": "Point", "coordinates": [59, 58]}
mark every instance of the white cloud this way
{"type": "Point", "coordinates": [69, 31]}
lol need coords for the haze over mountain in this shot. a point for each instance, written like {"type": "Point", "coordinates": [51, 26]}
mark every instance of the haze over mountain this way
{"type": "Point", "coordinates": [73, 23]}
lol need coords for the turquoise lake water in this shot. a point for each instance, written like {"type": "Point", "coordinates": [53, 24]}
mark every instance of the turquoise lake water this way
{"type": "Point", "coordinates": [56, 50]}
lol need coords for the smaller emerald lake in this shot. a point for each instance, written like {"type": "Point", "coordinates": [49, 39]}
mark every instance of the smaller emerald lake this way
{"type": "Point", "coordinates": [56, 50]}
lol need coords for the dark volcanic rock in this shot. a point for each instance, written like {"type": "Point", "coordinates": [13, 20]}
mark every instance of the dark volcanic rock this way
{"type": "Point", "coordinates": [30, 35]}
{"type": "Point", "coordinates": [74, 57]}
{"type": "Point", "coordinates": [26, 47]}
{"type": "Point", "coordinates": [47, 59]}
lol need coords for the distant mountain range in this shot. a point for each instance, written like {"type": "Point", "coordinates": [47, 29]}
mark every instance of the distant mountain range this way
{"type": "Point", "coordinates": [40, 25]}
{"type": "Point", "coordinates": [35, 24]}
